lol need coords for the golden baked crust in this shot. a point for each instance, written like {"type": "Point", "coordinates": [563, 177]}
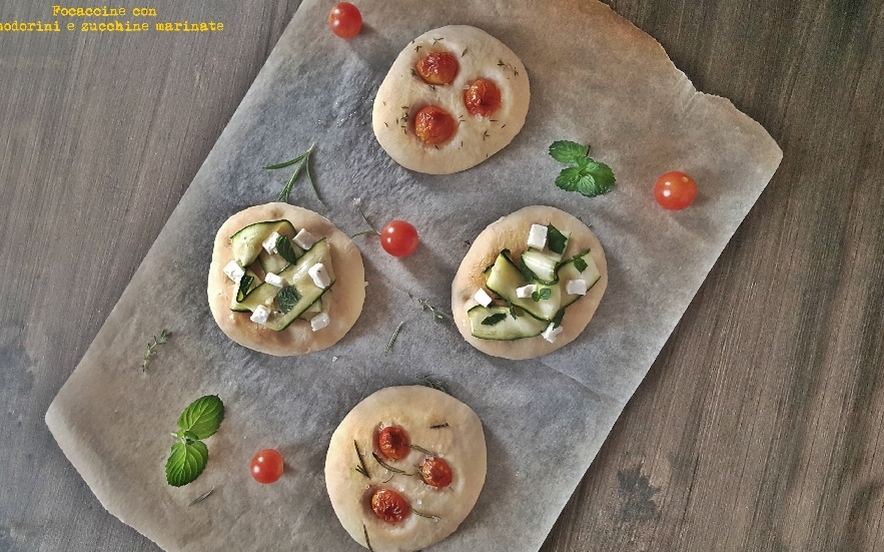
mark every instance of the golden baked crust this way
{"type": "Point", "coordinates": [402, 94]}
{"type": "Point", "coordinates": [437, 423]}
{"type": "Point", "coordinates": [346, 295]}
{"type": "Point", "coordinates": [510, 232]}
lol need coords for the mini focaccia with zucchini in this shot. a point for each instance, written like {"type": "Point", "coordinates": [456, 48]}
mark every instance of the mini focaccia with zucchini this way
{"type": "Point", "coordinates": [529, 284]}
{"type": "Point", "coordinates": [405, 467]}
{"type": "Point", "coordinates": [284, 280]}
{"type": "Point", "coordinates": [452, 98]}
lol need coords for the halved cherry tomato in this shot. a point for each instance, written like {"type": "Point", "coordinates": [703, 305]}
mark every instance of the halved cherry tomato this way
{"type": "Point", "coordinates": [345, 20]}
{"type": "Point", "coordinates": [482, 97]}
{"type": "Point", "coordinates": [437, 68]}
{"type": "Point", "coordinates": [436, 472]}
{"type": "Point", "coordinates": [393, 442]}
{"type": "Point", "coordinates": [389, 505]}
{"type": "Point", "coordinates": [433, 125]}
{"type": "Point", "coordinates": [675, 190]}
{"type": "Point", "coordinates": [267, 466]}
{"type": "Point", "coordinates": [399, 238]}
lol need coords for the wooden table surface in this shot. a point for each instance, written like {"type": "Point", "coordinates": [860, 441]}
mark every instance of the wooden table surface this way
{"type": "Point", "coordinates": [756, 429]}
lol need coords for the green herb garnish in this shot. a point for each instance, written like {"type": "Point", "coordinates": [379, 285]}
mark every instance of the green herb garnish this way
{"type": "Point", "coordinates": [493, 319]}
{"type": "Point", "coordinates": [189, 456]}
{"type": "Point", "coordinates": [287, 297]}
{"type": "Point", "coordinates": [585, 175]}
{"type": "Point", "coordinates": [541, 294]}
{"type": "Point", "coordinates": [438, 385]}
{"type": "Point", "coordinates": [555, 240]}
{"type": "Point", "coordinates": [304, 165]}
{"type": "Point", "coordinates": [389, 467]}
{"type": "Point", "coordinates": [285, 249]}
{"type": "Point", "coordinates": [152, 348]}
{"type": "Point", "coordinates": [361, 468]}
{"type": "Point", "coordinates": [245, 284]}
{"type": "Point", "coordinates": [580, 264]}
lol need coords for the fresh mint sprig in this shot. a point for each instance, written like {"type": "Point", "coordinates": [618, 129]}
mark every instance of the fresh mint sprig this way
{"type": "Point", "coordinates": [189, 455]}
{"type": "Point", "coordinates": [585, 175]}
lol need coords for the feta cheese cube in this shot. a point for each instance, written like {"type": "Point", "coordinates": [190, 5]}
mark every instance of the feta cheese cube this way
{"type": "Point", "coordinates": [260, 315]}
{"type": "Point", "coordinates": [319, 321]}
{"type": "Point", "coordinates": [552, 332]}
{"type": "Point", "coordinates": [274, 279]}
{"type": "Point", "coordinates": [234, 271]}
{"type": "Point", "coordinates": [269, 244]}
{"type": "Point", "coordinates": [482, 297]}
{"type": "Point", "coordinates": [537, 236]}
{"type": "Point", "coordinates": [320, 275]}
{"type": "Point", "coordinates": [576, 287]}
{"type": "Point", "coordinates": [304, 239]}
{"type": "Point", "coordinates": [525, 292]}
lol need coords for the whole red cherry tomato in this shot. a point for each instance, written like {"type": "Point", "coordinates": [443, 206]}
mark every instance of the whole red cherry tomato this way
{"type": "Point", "coordinates": [436, 472]}
{"type": "Point", "coordinates": [267, 466]}
{"type": "Point", "coordinates": [675, 190]}
{"type": "Point", "coordinates": [482, 97]}
{"type": "Point", "coordinates": [433, 125]}
{"type": "Point", "coordinates": [399, 238]}
{"type": "Point", "coordinates": [345, 20]}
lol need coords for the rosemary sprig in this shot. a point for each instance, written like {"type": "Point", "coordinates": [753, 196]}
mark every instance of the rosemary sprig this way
{"type": "Point", "coordinates": [358, 204]}
{"type": "Point", "coordinates": [428, 516]}
{"type": "Point", "coordinates": [393, 337]}
{"type": "Point", "coordinates": [439, 426]}
{"type": "Point", "coordinates": [152, 348]}
{"type": "Point", "coordinates": [367, 542]}
{"type": "Point", "coordinates": [438, 385]}
{"type": "Point", "coordinates": [361, 468]}
{"type": "Point", "coordinates": [421, 450]}
{"type": "Point", "coordinates": [389, 467]}
{"type": "Point", "coordinates": [304, 165]}
{"type": "Point", "coordinates": [202, 497]}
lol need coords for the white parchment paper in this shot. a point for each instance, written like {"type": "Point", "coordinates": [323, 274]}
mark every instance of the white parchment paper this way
{"type": "Point", "coordinates": [596, 79]}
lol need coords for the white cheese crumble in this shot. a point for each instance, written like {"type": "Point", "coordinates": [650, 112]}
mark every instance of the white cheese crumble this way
{"type": "Point", "coordinates": [234, 271]}
{"type": "Point", "coordinates": [304, 239]}
{"type": "Point", "coordinates": [319, 321]}
{"type": "Point", "coordinates": [525, 291]}
{"type": "Point", "coordinates": [269, 244]}
{"type": "Point", "coordinates": [260, 315]}
{"type": "Point", "coordinates": [576, 287]}
{"type": "Point", "coordinates": [552, 332]}
{"type": "Point", "coordinates": [537, 236]}
{"type": "Point", "coordinates": [320, 275]}
{"type": "Point", "coordinates": [482, 297]}
{"type": "Point", "coordinates": [274, 279]}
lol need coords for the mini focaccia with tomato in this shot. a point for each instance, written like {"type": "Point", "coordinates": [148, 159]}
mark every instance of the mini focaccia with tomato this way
{"type": "Point", "coordinates": [284, 280]}
{"type": "Point", "coordinates": [405, 467]}
{"type": "Point", "coordinates": [529, 284]}
{"type": "Point", "coordinates": [452, 98]}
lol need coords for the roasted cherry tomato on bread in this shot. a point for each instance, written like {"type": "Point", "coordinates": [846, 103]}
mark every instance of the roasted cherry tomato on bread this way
{"type": "Point", "coordinates": [267, 466]}
{"type": "Point", "coordinates": [345, 20]}
{"type": "Point", "coordinates": [399, 238]}
{"type": "Point", "coordinates": [433, 125]}
{"type": "Point", "coordinates": [389, 505]}
{"type": "Point", "coordinates": [393, 442]}
{"type": "Point", "coordinates": [437, 68]}
{"type": "Point", "coordinates": [482, 98]}
{"type": "Point", "coordinates": [436, 472]}
{"type": "Point", "coordinates": [675, 190]}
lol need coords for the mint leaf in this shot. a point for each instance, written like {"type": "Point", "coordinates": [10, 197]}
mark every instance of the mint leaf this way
{"type": "Point", "coordinates": [566, 151]}
{"type": "Point", "coordinates": [495, 318]}
{"type": "Point", "coordinates": [202, 417]}
{"type": "Point", "coordinates": [245, 284]}
{"type": "Point", "coordinates": [555, 240]}
{"type": "Point", "coordinates": [285, 249]}
{"type": "Point", "coordinates": [580, 264]}
{"type": "Point", "coordinates": [586, 175]}
{"type": "Point", "coordinates": [541, 294]}
{"type": "Point", "coordinates": [186, 462]}
{"type": "Point", "coordinates": [287, 297]}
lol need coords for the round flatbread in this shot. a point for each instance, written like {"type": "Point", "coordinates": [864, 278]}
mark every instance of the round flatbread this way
{"type": "Point", "coordinates": [403, 93]}
{"type": "Point", "coordinates": [438, 427]}
{"type": "Point", "coordinates": [510, 233]}
{"type": "Point", "coordinates": [342, 301]}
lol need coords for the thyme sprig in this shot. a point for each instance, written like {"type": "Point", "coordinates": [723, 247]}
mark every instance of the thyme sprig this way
{"type": "Point", "coordinates": [438, 313]}
{"type": "Point", "coordinates": [303, 162]}
{"type": "Point", "coordinates": [152, 348]}
{"type": "Point", "coordinates": [393, 337]}
{"type": "Point", "coordinates": [438, 385]}
{"type": "Point", "coordinates": [202, 497]}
